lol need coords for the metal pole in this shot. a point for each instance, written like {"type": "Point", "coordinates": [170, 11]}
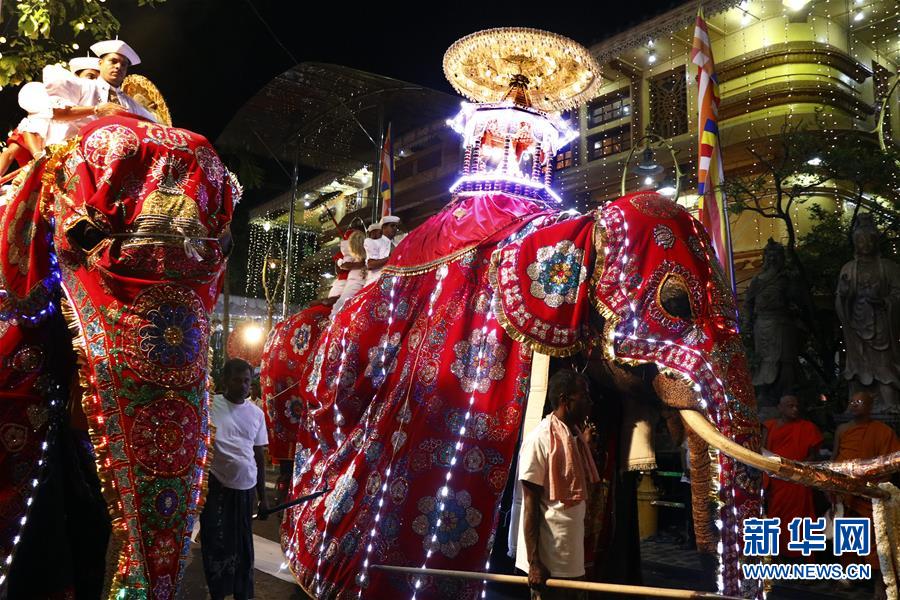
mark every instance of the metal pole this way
{"type": "Point", "coordinates": [378, 150]}
{"type": "Point", "coordinates": [288, 259]}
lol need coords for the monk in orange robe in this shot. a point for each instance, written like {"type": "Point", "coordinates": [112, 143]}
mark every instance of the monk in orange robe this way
{"type": "Point", "coordinates": [864, 438]}
{"type": "Point", "coordinates": [798, 439]}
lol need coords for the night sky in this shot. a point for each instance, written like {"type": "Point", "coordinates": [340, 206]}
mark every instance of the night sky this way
{"type": "Point", "coordinates": [209, 56]}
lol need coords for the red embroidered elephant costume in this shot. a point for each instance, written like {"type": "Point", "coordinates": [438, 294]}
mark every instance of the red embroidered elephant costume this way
{"type": "Point", "coordinates": [122, 233]}
{"type": "Point", "coordinates": [418, 388]}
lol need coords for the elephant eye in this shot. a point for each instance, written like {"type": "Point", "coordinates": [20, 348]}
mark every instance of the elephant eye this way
{"type": "Point", "coordinates": [675, 299]}
{"type": "Point", "coordinates": [85, 236]}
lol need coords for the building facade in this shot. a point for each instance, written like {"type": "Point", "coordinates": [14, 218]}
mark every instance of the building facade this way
{"type": "Point", "coordinates": [828, 64]}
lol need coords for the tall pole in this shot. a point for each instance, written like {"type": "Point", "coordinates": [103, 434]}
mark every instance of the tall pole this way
{"type": "Point", "coordinates": [288, 259]}
{"type": "Point", "coordinates": [226, 313]}
{"type": "Point", "coordinates": [378, 163]}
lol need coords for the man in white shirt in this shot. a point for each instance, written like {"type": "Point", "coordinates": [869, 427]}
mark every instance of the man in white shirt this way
{"type": "Point", "coordinates": [556, 472]}
{"type": "Point", "coordinates": [77, 101]}
{"type": "Point", "coordinates": [237, 474]}
{"type": "Point", "coordinates": [378, 249]}
{"type": "Point", "coordinates": [383, 239]}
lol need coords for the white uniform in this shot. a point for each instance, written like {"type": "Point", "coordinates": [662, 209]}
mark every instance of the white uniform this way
{"type": "Point", "coordinates": [34, 100]}
{"type": "Point", "coordinates": [355, 281]}
{"type": "Point", "coordinates": [65, 90]}
{"type": "Point", "coordinates": [377, 250]}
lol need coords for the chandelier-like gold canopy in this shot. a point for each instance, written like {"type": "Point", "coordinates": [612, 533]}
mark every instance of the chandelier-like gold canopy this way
{"type": "Point", "coordinates": [559, 73]}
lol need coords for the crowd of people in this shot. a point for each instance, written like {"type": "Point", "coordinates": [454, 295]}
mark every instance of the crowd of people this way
{"type": "Point", "coordinates": [557, 474]}
{"type": "Point", "coordinates": [361, 258]}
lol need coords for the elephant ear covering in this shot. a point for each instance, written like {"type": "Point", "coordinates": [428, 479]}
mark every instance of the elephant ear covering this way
{"type": "Point", "coordinates": [664, 296]}
{"type": "Point", "coordinates": [28, 276]}
{"type": "Point", "coordinates": [542, 284]}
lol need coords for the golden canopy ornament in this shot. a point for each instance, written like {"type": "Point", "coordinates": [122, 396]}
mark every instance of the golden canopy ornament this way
{"type": "Point", "coordinates": [534, 68]}
{"type": "Point", "coordinates": [148, 95]}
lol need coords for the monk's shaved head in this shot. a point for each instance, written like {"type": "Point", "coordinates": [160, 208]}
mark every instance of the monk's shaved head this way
{"type": "Point", "coordinates": [789, 407]}
{"type": "Point", "coordinates": [861, 403]}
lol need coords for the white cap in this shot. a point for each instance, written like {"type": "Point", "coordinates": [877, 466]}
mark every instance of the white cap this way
{"type": "Point", "coordinates": [33, 98]}
{"type": "Point", "coordinates": [80, 63]}
{"type": "Point", "coordinates": [389, 219]}
{"type": "Point", "coordinates": [374, 227]}
{"type": "Point", "coordinates": [119, 47]}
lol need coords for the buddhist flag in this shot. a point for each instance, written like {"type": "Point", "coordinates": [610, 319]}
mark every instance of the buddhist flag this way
{"type": "Point", "coordinates": [710, 174]}
{"type": "Point", "coordinates": [387, 173]}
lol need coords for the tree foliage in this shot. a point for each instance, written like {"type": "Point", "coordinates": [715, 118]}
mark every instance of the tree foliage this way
{"type": "Point", "coordinates": [36, 33]}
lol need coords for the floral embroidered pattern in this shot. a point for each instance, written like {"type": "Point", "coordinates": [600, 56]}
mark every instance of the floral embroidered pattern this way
{"type": "Point", "coordinates": [293, 409]}
{"type": "Point", "coordinates": [663, 236]}
{"type": "Point", "coordinates": [109, 144]}
{"type": "Point", "coordinates": [454, 526]}
{"type": "Point", "coordinates": [300, 339]}
{"type": "Point", "coordinates": [340, 501]}
{"type": "Point", "coordinates": [479, 361]}
{"type": "Point", "coordinates": [381, 359]}
{"type": "Point", "coordinates": [163, 501]}
{"type": "Point", "coordinates": [171, 338]}
{"type": "Point", "coordinates": [557, 273]}
{"type": "Point", "coordinates": [167, 324]}
{"type": "Point", "coordinates": [654, 205]}
{"type": "Point", "coordinates": [165, 435]}
{"type": "Point", "coordinates": [211, 165]}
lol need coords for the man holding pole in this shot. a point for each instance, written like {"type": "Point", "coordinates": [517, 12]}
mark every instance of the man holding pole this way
{"type": "Point", "coordinates": [556, 471]}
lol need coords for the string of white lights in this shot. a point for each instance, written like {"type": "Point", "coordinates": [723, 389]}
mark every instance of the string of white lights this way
{"type": "Point", "coordinates": [444, 491]}
{"type": "Point", "coordinates": [362, 579]}
{"type": "Point", "coordinates": [370, 409]}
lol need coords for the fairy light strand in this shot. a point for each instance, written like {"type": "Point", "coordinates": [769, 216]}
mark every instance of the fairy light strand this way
{"type": "Point", "coordinates": [443, 492]}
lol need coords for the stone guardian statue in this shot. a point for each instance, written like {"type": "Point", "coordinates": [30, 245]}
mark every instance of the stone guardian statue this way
{"type": "Point", "coordinates": [774, 306]}
{"type": "Point", "coordinates": [868, 305]}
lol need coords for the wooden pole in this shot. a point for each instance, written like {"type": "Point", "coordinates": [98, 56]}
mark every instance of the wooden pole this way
{"type": "Point", "coordinates": [571, 584]}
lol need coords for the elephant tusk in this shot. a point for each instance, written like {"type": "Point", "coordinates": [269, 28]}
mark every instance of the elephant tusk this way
{"type": "Point", "coordinates": [780, 467]}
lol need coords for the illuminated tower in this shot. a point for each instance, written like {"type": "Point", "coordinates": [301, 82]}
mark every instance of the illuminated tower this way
{"type": "Point", "coordinates": [519, 79]}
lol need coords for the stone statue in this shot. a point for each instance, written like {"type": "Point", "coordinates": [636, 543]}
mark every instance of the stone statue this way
{"type": "Point", "coordinates": [774, 305]}
{"type": "Point", "coordinates": [868, 304]}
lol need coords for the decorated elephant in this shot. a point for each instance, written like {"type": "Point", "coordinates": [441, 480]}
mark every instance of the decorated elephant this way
{"type": "Point", "coordinates": [418, 388]}
{"type": "Point", "coordinates": [121, 234]}
{"type": "Point", "coordinates": [285, 353]}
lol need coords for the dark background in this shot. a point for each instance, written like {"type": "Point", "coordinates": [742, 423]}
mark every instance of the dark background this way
{"type": "Point", "coordinates": [209, 56]}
